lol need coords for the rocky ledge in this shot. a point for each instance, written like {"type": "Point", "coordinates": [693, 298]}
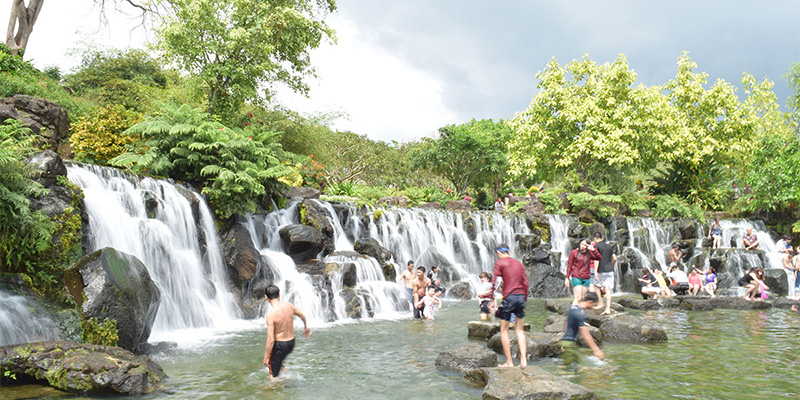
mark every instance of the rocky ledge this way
{"type": "Point", "coordinates": [526, 383]}
{"type": "Point", "coordinates": [81, 368]}
{"type": "Point", "coordinates": [698, 303]}
{"type": "Point", "coordinates": [466, 357]}
{"type": "Point", "coordinates": [484, 330]}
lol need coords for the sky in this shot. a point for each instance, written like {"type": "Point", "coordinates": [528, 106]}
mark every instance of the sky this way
{"type": "Point", "coordinates": [402, 69]}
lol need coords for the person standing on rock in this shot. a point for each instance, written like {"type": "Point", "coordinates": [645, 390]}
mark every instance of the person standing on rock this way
{"type": "Point", "coordinates": [578, 269]}
{"type": "Point", "coordinates": [280, 331]}
{"type": "Point", "coordinates": [604, 275]}
{"type": "Point", "coordinates": [408, 278]}
{"type": "Point", "coordinates": [515, 295]}
{"type": "Point", "coordinates": [576, 324]}
{"type": "Point", "coordinates": [419, 286]}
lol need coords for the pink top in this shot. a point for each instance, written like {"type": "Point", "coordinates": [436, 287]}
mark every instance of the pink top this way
{"type": "Point", "coordinates": [694, 279]}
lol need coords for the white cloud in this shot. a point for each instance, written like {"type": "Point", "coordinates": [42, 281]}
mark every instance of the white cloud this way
{"type": "Point", "coordinates": [383, 97]}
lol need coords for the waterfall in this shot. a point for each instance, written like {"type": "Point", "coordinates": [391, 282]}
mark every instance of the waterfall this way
{"type": "Point", "coordinates": [153, 220]}
{"type": "Point", "coordinates": [22, 321]}
{"type": "Point", "coordinates": [559, 236]}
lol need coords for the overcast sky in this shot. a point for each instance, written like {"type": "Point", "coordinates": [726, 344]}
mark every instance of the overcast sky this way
{"type": "Point", "coordinates": [402, 69]}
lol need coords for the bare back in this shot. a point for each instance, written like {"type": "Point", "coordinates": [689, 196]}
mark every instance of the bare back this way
{"type": "Point", "coordinates": [281, 318]}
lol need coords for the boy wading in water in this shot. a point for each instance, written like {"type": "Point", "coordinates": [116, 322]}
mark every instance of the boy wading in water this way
{"type": "Point", "coordinates": [576, 323]}
{"type": "Point", "coordinates": [280, 331]}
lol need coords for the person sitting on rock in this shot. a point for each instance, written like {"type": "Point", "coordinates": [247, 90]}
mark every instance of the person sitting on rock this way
{"type": "Point", "coordinates": [710, 278]}
{"type": "Point", "coordinates": [680, 283]}
{"type": "Point", "coordinates": [695, 282]}
{"type": "Point", "coordinates": [785, 248]}
{"type": "Point", "coordinates": [576, 323]}
{"type": "Point", "coordinates": [647, 284]}
{"type": "Point", "coordinates": [663, 288]}
{"type": "Point", "coordinates": [752, 284]}
{"type": "Point", "coordinates": [715, 234]}
{"type": "Point", "coordinates": [750, 240]}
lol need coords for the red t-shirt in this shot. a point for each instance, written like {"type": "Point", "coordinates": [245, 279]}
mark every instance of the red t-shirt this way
{"type": "Point", "coordinates": [515, 279]}
{"type": "Point", "coordinates": [578, 264]}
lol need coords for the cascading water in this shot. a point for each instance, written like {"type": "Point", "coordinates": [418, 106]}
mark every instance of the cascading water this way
{"type": "Point", "coordinates": [153, 220]}
{"type": "Point", "coordinates": [22, 322]}
{"type": "Point", "coordinates": [559, 236]}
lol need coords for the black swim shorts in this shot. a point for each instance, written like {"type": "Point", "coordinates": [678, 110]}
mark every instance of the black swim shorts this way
{"type": "Point", "coordinates": [511, 304]}
{"type": "Point", "coordinates": [279, 351]}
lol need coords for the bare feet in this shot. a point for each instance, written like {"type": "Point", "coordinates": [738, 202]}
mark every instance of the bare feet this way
{"type": "Point", "coordinates": [606, 312]}
{"type": "Point", "coordinates": [506, 365]}
{"type": "Point", "coordinates": [523, 364]}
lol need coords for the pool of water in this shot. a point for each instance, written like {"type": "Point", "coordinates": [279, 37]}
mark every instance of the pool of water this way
{"type": "Point", "coordinates": [723, 354]}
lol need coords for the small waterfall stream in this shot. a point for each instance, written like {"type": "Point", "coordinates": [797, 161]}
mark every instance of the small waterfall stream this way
{"type": "Point", "coordinates": [153, 220]}
{"type": "Point", "coordinates": [22, 322]}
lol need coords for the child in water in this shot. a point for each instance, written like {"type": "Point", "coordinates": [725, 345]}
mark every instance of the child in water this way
{"type": "Point", "coordinates": [429, 301]}
{"type": "Point", "coordinates": [576, 324]}
{"type": "Point", "coordinates": [486, 296]}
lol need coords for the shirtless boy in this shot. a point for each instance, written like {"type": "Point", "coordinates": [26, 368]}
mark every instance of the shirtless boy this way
{"type": "Point", "coordinates": [280, 331]}
{"type": "Point", "coordinates": [408, 278]}
{"type": "Point", "coordinates": [419, 286]}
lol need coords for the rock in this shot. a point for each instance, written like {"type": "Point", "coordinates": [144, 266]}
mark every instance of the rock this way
{"type": "Point", "coordinates": [586, 216]}
{"type": "Point", "coordinates": [545, 279]}
{"type": "Point", "coordinates": [373, 248]}
{"type": "Point", "coordinates": [458, 205]}
{"type": "Point", "coordinates": [314, 214]}
{"type": "Point", "coordinates": [646, 213]}
{"type": "Point", "coordinates": [526, 383]}
{"type": "Point", "coordinates": [687, 229]}
{"type": "Point", "coordinates": [466, 357]}
{"type": "Point", "coordinates": [695, 304]}
{"type": "Point", "coordinates": [313, 267]}
{"type": "Point", "coordinates": [158, 348]}
{"type": "Point", "coordinates": [738, 303]}
{"type": "Point", "coordinates": [777, 280]}
{"type": "Point", "coordinates": [349, 275]}
{"type": "Point", "coordinates": [304, 192]}
{"type": "Point", "coordinates": [352, 304]}
{"type": "Point", "coordinates": [399, 201]}
{"type": "Point", "coordinates": [623, 237]}
{"type": "Point", "coordinates": [540, 344]}
{"type": "Point", "coordinates": [240, 254]}
{"type": "Point", "coordinates": [432, 205]}
{"type": "Point", "coordinates": [50, 165]}
{"type": "Point", "coordinates": [302, 242]}
{"type": "Point", "coordinates": [528, 242]}
{"type": "Point", "coordinates": [534, 206]}
{"type": "Point", "coordinates": [783, 302]}
{"type": "Point", "coordinates": [460, 290]}
{"type": "Point", "coordinates": [38, 114]}
{"type": "Point", "coordinates": [537, 221]}
{"type": "Point", "coordinates": [115, 285]}
{"type": "Point", "coordinates": [597, 227]}
{"type": "Point", "coordinates": [484, 330]}
{"type": "Point", "coordinates": [641, 304]}
{"type": "Point", "coordinates": [628, 327]}
{"type": "Point", "coordinates": [560, 306]}
{"type": "Point", "coordinates": [83, 368]}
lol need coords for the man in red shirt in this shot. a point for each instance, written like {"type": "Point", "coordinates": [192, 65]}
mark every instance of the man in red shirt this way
{"type": "Point", "coordinates": [515, 294]}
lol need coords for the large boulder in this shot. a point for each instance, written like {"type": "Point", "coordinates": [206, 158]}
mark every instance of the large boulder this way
{"type": "Point", "coordinates": [466, 357]}
{"type": "Point", "coordinates": [627, 327]}
{"type": "Point", "coordinates": [313, 213]}
{"type": "Point", "coordinates": [115, 285]}
{"type": "Point", "coordinates": [302, 242]}
{"type": "Point", "coordinates": [371, 247]}
{"type": "Point", "coordinates": [399, 201]}
{"type": "Point", "coordinates": [545, 279]}
{"type": "Point", "coordinates": [650, 304]}
{"type": "Point", "coordinates": [484, 330]}
{"type": "Point", "coordinates": [540, 344]}
{"type": "Point", "coordinates": [557, 324]}
{"type": "Point", "coordinates": [738, 303]}
{"type": "Point", "coordinates": [784, 302]}
{"type": "Point", "coordinates": [83, 368]}
{"type": "Point", "coordinates": [526, 383]}
{"type": "Point", "coordinates": [352, 304]}
{"type": "Point", "coordinates": [777, 280]}
{"type": "Point", "coordinates": [47, 120]}
{"type": "Point", "coordinates": [461, 290]}
{"type": "Point", "coordinates": [458, 205]}
{"type": "Point", "coordinates": [687, 229]}
{"type": "Point", "coordinates": [239, 253]}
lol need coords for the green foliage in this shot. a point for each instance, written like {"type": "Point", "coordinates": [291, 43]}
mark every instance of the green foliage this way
{"type": "Point", "coordinates": [238, 47]}
{"type": "Point", "coordinates": [9, 375]}
{"type": "Point", "coordinates": [24, 234]}
{"type": "Point", "coordinates": [342, 189]}
{"type": "Point", "coordinates": [20, 77]}
{"type": "Point", "coordinates": [131, 78]}
{"type": "Point", "coordinates": [517, 207]}
{"type": "Point", "coordinates": [470, 154]}
{"type": "Point", "coordinates": [666, 206]}
{"type": "Point", "coordinates": [774, 173]}
{"type": "Point", "coordinates": [551, 201]}
{"type": "Point", "coordinates": [235, 168]}
{"type": "Point", "coordinates": [101, 333]}
{"type": "Point", "coordinates": [99, 137]}
{"type": "Point", "coordinates": [602, 204]}
{"type": "Point", "coordinates": [796, 227]}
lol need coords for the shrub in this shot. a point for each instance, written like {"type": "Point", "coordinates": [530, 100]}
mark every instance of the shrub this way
{"type": "Point", "coordinates": [665, 206]}
{"type": "Point", "coordinates": [551, 201]}
{"type": "Point", "coordinates": [99, 137]}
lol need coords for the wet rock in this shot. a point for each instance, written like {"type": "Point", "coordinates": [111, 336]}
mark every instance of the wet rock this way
{"type": "Point", "coordinates": [349, 275]}
{"type": "Point", "coordinates": [783, 302]}
{"type": "Point", "coordinates": [312, 213]}
{"type": "Point", "coordinates": [466, 357]}
{"type": "Point", "coordinates": [458, 205]}
{"type": "Point", "coordinates": [540, 344]}
{"type": "Point", "coordinates": [687, 229]}
{"type": "Point", "coordinates": [313, 267]}
{"type": "Point", "coordinates": [537, 221]}
{"type": "Point", "coordinates": [302, 242]}
{"type": "Point", "coordinates": [586, 216]}
{"type": "Point", "coordinates": [597, 227]}
{"type": "Point", "coordinates": [526, 383]}
{"type": "Point", "coordinates": [528, 242]}
{"type": "Point", "coordinates": [461, 290]}
{"type": "Point", "coordinates": [558, 324]}
{"type": "Point", "coordinates": [623, 236]}
{"type": "Point", "coordinates": [545, 279]}
{"type": "Point", "coordinates": [115, 285]}
{"type": "Point", "coordinates": [304, 192]}
{"type": "Point", "coordinates": [777, 280]}
{"type": "Point", "coordinates": [484, 330]}
{"type": "Point", "coordinates": [696, 304]}
{"type": "Point", "coordinates": [430, 206]}
{"type": "Point", "coordinates": [48, 120]}
{"type": "Point", "coordinates": [240, 254]}
{"type": "Point", "coordinates": [158, 348]}
{"type": "Point", "coordinates": [738, 303]}
{"type": "Point", "coordinates": [654, 304]}
{"type": "Point", "coordinates": [352, 304]}
{"type": "Point", "coordinates": [371, 247]}
{"type": "Point", "coordinates": [83, 368]}
{"type": "Point", "coordinates": [627, 327]}
{"type": "Point", "coordinates": [560, 306]}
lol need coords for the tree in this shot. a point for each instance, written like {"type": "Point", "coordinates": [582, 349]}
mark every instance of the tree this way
{"type": "Point", "coordinates": [20, 24]}
{"type": "Point", "coordinates": [462, 153]}
{"type": "Point", "coordinates": [237, 47]}
{"type": "Point", "coordinates": [591, 121]}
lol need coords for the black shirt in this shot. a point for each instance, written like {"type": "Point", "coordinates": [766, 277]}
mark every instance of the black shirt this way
{"type": "Point", "coordinates": [607, 262]}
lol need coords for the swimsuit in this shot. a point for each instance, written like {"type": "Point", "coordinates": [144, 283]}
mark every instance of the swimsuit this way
{"type": "Point", "coordinates": [279, 351]}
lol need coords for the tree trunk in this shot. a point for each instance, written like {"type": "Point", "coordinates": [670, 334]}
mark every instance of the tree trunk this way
{"type": "Point", "coordinates": [22, 19]}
